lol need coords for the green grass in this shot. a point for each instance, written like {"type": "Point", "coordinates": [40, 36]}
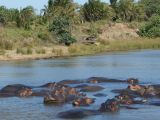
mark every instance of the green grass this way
{"type": "Point", "coordinates": [24, 51]}
{"type": "Point", "coordinates": [40, 51]}
{"type": "Point", "coordinates": [119, 45]}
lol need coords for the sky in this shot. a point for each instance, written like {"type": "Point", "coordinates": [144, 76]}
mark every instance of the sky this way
{"type": "Point", "coordinates": [37, 4]}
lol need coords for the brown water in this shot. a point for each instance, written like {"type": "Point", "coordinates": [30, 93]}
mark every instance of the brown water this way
{"type": "Point", "coordinates": [144, 65]}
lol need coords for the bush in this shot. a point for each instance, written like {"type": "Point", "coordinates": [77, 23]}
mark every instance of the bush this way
{"type": "Point", "coordinates": [43, 36]}
{"type": "Point", "coordinates": [40, 51]}
{"type": "Point", "coordinates": [151, 28]}
{"type": "Point", "coordinates": [61, 26]}
{"type": "Point", "coordinates": [24, 51]}
{"type": "Point", "coordinates": [2, 52]}
{"type": "Point", "coordinates": [6, 44]}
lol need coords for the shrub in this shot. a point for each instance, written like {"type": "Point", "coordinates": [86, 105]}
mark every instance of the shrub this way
{"type": "Point", "coordinates": [24, 51]}
{"type": "Point", "coordinates": [151, 28]}
{"type": "Point", "coordinates": [43, 36]}
{"type": "Point", "coordinates": [40, 51]}
{"type": "Point", "coordinates": [61, 26]}
{"type": "Point", "coordinates": [6, 44]}
{"type": "Point", "coordinates": [2, 52]}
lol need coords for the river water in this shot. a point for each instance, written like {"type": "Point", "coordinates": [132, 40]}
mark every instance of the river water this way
{"type": "Point", "coordinates": [144, 65]}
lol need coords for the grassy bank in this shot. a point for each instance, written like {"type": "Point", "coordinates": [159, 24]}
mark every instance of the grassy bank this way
{"type": "Point", "coordinates": [109, 46]}
{"type": "Point", "coordinates": [37, 43]}
{"type": "Point", "coordinates": [79, 49]}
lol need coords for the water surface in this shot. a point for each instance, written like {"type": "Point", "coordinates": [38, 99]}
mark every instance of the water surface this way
{"type": "Point", "coordinates": [144, 65]}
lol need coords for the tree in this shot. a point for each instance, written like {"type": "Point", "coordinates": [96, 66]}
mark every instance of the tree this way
{"type": "Point", "coordinates": [129, 10]}
{"type": "Point", "coordinates": [151, 7]}
{"type": "Point", "coordinates": [61, 28]}
{"type": "Point", "coordinates": [60, 8]}
{"type": "Point", "coordinates": [95, 10]}
{"type": "Point", "coordinates": [113, 3]}
{"type": "Point", "coordinates": [26, 17]}
{"type": "Point", "coordinates": [3, 15]}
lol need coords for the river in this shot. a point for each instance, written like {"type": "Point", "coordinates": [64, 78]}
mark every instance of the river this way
{"type": "Point", "coordinates": [144, 65]}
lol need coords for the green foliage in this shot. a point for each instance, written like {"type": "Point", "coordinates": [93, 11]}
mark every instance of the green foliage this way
{"type": "Point", "coordinates": [151, 7]}
{"type": "Point", "coordinates": [6, 44]}
{"type": "Point", "coordinates": [128, 10]}
{"type": "Point", "coordinates": [3, 15]}
{"type": "Point", "coordinates": [151, 28]}
{"type": "Point", "coordinates": [40, 51]}
{"type": "Point", "coordinates": [95, 10]}
{"type": "Point", "coordinates": [61, 28]}
{"type": "Point", "coordinates": [113, 3]}
{"type": "Point", "coordinates": [7, 15]}
{"type": "Point", "coordinates": [57, 8]}
{"type": "Point", "coordinates": [24, 51]}
{"type": "Point", "coordinates": [26, 17]}
{"type": "Point", "coordinates": [43, 36]}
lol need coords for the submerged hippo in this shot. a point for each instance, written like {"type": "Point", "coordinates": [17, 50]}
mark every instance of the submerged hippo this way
{"type": "Point", "coordinates": [91, 88]}
{"type": "Point", "coordinates": [62, 94]}
{"type": "Point", "coordinates": [84, 101]}
{"type": "Point", "coordinates": [145, 91]}
{"type": "Point", "coordinates": [128, 99]}
{"type": "Point", "coordinates": [18, 90]}
{"type": "Point", "coordinates": [77, 113]}
{"type": "Point", "coordinates": [100, 95]}
{"type": "Point", "coordinates": [108, 80]}
{"type": "Point", "coordinates": [111, 105]}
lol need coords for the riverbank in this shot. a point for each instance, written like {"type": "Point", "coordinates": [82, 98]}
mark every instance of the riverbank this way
{"type": "Point", "coordinates": [102, 46]}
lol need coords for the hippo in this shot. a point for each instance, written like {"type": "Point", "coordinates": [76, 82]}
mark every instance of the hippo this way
{"type": "Point", "coordinates": [128, 99]}
{"type": "Point", "coordinates": [92, 88]}
{"type": "Point", "coordinates": [84, 101]}
{"type": "Point", "coordinates": [81, 86]}
{"type": "Point", "coordinates": [100, 95]}
{"type": "Point", "coordinates": [62, 94]}
{"type": "Point", "coordinates": [67, 82]}
{"type": "Point", "coordinates": [103, 80]}
{"type": "Point", "coordinates": [18, 90]}
{"type": "Point", "coordinates": [132, 81]}
{"type": "Point", "coordinates": [77, 113]}
{"type": "Point", "coordinates": [48, 85]}
{"type": "Point", "coordinates": [111, 105]}
{"type": "Point", "coordinates": [145, 91]}
{"type": "Point", "coordinates": [108, 80]}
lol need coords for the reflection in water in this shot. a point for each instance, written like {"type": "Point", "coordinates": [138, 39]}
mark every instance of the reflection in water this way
{"type": "Point", "coordinates": [144, 65]}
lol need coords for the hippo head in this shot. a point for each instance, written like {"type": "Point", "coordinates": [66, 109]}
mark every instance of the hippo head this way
{"type": "Point", "coordinates": [111, 105]}
{"type": "Point", "coordinates": [25, 92]}
{"type": "Point", "coordinates": [72, 91]}
{"type": "Point", "coordinates": [53, 99]}
{"type": "Point", "coordinates": [94, 81]}
{"type": "Point", "coordinates": [49, 85]}
{"type": "Point", "coordinates": [134, 87]}
{"type": "Point", "coordinates": [132, 81]}
{"type": "Point", "coordinates": [83, 101]}
{"type": "Point", "coordinates": [124, 99]}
